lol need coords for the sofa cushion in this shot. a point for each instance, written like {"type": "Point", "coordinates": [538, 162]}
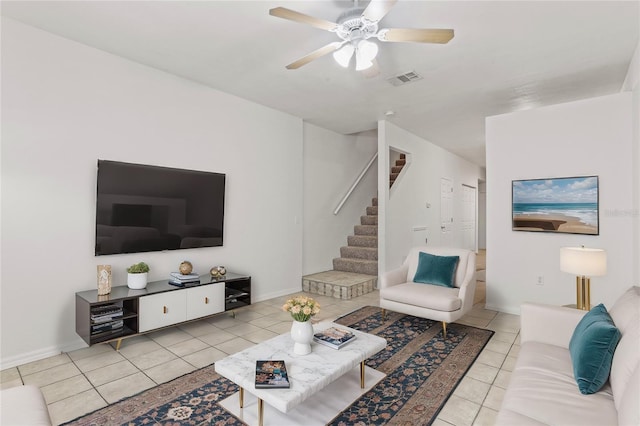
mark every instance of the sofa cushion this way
{"type": "Point", "coordinates": [436, 270]}
{"type": "Point", "coordinates": [592, 347]}
{"type": "Point", "coordinates": [427, 296]}
{"type": "Point", "coordinates": [23, 405]}
{"type": "Point", "coordinates": [626, 316]}
{"type": "Point", "coordinates": [542, 391]}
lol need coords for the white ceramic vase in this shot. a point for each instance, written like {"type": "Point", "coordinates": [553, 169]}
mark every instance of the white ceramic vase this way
{"type": "Point", "coordinates": [302, 335]}
{"type": "Point", "coordinates": [137, 281]}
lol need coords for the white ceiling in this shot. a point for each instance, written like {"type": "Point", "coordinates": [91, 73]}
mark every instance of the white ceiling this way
{"type": "Point", "coordinates": [505, 56]}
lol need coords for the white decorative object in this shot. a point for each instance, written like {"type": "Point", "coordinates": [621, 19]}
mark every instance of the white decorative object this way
{"type": "Point", "coordinates": [104, 279]}
{"type": "Point", "coordinates": [137, 281]}
{"type": "Point", "coordinates": [302, 335]}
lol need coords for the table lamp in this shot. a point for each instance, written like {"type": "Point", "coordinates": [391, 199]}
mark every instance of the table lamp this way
{"type": "Point", "coordinates": [584, 263]}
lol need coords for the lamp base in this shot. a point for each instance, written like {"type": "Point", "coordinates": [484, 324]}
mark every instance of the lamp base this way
{"type": "Point", "coordinates": [583, 293]}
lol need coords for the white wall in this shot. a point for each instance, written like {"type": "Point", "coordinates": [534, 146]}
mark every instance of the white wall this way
{"type": "Point", "coordinates": [482, 215]}
{"type": "Point", "coordinates": [332, 162]}
{"type": "Point", "coordinates": [406, 207]}
{"type": "Point", "coordinates": [588, 137]}
{"type": "Point", "coordinates": [65, 105]}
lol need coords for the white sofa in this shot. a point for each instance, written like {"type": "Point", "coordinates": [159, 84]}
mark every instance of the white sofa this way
{"type": "Point", "coordinates": [399, 293]}
{"type": "Point", "coordinates": [23, 406]}
{"type": "Point", "coordinates": [543, 390]}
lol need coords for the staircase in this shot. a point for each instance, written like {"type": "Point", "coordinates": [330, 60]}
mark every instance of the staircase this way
{"type": "Point", "coordinates": [395, 170]}
{"type": "Point", "coordinates": [361, 253]}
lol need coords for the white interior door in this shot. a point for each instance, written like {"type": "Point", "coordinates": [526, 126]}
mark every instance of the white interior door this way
{"type": "Point", "coordinates": [446, 211]}
{"type": "Point", "coordinates": [468, 224]}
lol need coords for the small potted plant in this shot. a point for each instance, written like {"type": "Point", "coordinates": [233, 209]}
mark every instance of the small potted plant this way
{"type": "Point", "coordinates": [137, 275]}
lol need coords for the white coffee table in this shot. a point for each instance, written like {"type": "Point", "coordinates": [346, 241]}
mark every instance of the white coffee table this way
{"type": "Point", "coordinates": [308, 374]}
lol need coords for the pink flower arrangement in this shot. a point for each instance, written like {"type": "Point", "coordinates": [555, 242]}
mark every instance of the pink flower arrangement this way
{"type": "Point", "coordinates": [302, 308]}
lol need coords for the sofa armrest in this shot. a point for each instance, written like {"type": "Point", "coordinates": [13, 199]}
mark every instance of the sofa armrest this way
{"type": "Point", "coordinates": [394, 277]}
{"type": "Point", "coordinates": [549, 324]}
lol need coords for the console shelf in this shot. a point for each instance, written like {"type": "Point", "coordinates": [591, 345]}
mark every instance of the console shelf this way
{"type": "Point", "coordinates": [132, 312]}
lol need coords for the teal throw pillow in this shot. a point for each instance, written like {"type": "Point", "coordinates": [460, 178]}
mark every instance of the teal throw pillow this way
{"type": "Point", "coordinates": [592, 346]}
{"type": "Point", "coordinates": [436, 270]}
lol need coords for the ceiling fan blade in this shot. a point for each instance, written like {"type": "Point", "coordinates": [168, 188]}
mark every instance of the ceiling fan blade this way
{"type": "Point", "coordinates": [372, 71]}
{"type": "Point", "coordinates": [377, 9]}
{"type": "Point", "coordinates": [292, 15]}
{"type": "Point", "coordinates": [331, 47]}
{"type": "Point", "coordinates": [416, 35]}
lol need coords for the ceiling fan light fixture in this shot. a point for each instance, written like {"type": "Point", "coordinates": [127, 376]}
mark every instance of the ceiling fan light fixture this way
{"type": "Point", "coordinates": [343, 56]}
{"type": "Point", "coordinates": [368, 50]}
{"type": "Point", "coordinates": [362, 63]}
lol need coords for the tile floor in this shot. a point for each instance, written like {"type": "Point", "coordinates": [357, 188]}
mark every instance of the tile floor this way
{"type": "Point", "coordinates": [82, 381]}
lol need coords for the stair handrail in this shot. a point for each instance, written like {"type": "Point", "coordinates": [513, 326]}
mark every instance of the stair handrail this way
{"type": "Point", "coordinates": [357, 181]}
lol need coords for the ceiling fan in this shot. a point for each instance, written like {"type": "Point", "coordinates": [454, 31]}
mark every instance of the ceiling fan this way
{"type": "Point", "coordinates": [355, 27]}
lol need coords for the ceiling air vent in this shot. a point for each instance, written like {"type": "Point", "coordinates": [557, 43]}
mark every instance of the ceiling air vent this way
{"type": "Point", "coordinates": [405, 78]}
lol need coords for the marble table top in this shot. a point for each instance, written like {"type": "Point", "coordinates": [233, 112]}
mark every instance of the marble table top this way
{"type": "Point", "coordinates": [308, 374]}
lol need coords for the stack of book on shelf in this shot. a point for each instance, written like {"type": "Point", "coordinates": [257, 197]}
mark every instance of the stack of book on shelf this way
{"type": "Point", "coordinates": [334, 337]}
{"type": "Point", "coordinates": [271, 374]}
{"type": "Point", "coordinates": [183, 280]}
{"type": "Point", "coordinates": [106, 318]}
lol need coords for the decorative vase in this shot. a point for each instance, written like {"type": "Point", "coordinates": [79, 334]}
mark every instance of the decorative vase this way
{"type": "Point", "coordinates": [104, 279]}
{"type": "Point", "coordinates": [137, 281]}
{"type": "Point", "coordinates": [302, 335]}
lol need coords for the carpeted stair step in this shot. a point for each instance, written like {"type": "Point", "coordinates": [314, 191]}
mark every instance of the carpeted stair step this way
{"type": "Point", "coordinates": [372, 210]}
{"type": "Point", "coordinates": [365, 230]}
{"type": "Point", "coordinates": [368, 220]}
{"type": "Point", "coordinates": [396, 169]}
{"type": "Point", "coordinates": [401, 162]}
{"type": "Point", "coordinates": [403, 156]}
{"type": "Point", "coordinates": [366, 253]}
{"type": "Point", "coordinates": [393, 176]}
{"type": "Point", "coordinates": [374, 201]}
{"type": "Point", "coordinates": [359, 266]}
{"type": "Point", "coordinates": [362, 241]}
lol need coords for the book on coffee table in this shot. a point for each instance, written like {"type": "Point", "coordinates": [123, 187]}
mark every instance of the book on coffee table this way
{"type": "Point", "coordinates": [334, 337]}
{"type": "Point", "coordinates": [271, 374]}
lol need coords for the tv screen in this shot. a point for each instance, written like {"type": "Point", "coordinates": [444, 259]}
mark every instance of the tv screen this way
{"type": "Point", "coordinates": [564, 205]}
{"type": "Point", "coordinates": [142, 208]}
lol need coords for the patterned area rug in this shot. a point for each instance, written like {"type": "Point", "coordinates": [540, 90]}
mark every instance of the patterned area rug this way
{"type": "Point", "coordinates": [422, 369]}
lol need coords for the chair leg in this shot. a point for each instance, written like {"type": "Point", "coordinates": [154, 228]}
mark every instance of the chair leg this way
{"type": "Point", "coordinates": [444, 329]}
{"type": "Point", "coordinates": [384, 314]}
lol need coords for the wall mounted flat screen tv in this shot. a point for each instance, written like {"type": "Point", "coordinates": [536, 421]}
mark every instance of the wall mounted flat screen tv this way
{"type": "Point", "coordinates": [564, 205]}
{"type": "Point", "coordinates": [142, 208]}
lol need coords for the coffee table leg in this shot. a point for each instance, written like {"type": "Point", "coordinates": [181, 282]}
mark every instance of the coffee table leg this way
{"type": "Point", "coordinates": [362, 375]}
{"type": "Point", "coordinates": [241, 397]}
{"type": "Point", "coordinates": [260, 411]}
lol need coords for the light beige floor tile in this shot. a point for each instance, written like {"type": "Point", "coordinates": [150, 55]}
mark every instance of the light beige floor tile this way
{"type": "Point", "coordinates": [9, 375]}
{"type": "Point", "coordinates": [242, 329]}
{"type": "Point", "coordinates": [260, 336]}
{"type": "Point", "coordinates": [89, 351]}
{"type": "Point", "coordinates": [486, 417]}
{"type": "Point", "coordinates": [509, 363]}
{"type": "Point", "coordinates": [473, 321]}
{"type": "Point", "coordinates": [168, 371]}
{"type": "Point", "coordinates": [52, 375]}
{"type": "Point", "coordinates": [502, 379]}
{"type": "Point", "coordinates": [503, 336]}
{"type": "Point", "coordinates": [188, 347]}
{"type": "Point", "coordinates": [494, 398]}
{"type": "Point", "coordinates": [75, 406]}
{"type": "Point", "coordinates": [491, 358]}
{"type": "Point", "coordinates": [281, 327]}
{"type": "Point", "coordinates": [99, 361]}
{"type": "Point", "coordinates": [11, 383]}
{"type": "Point", "coordinates": [170, 336]}
{"type": "Point", "coordinates": [217, 337]}
{"type": "Point", "coordinates": [44, 364]}
{"type": "Point", "coordinates": [151, 359]}
{"type": "Point", "coordinates": [472, 390]}
{"type": "Point", "coordinates": [500, 347]}
{"type": "Point", "coordinates": [264, 309]}
{"type": "Point", "coordinates": [517, 342]}
{"type": "Point", "coordinates": [515, 351]}
{"type": "Point", "coordinates": [205, 357]}
{"type": "Point", "coordinates": [127, 386]}
{"type": "Point", "coordinates": [459, 411]}
{"type": "Point", "coordinates": [248, 315]}
{"type": "Point", "coordinates": [483, 372]}
{"type": "Point", "coordinates": [223, 321]}
{"type": "Point", "coordinates": [264, 322]}
{"type": "Point", "coordinates": [65, 388]}
{"type": "Point", "coordinates": [440, 422]}
{"type": "Point", "coordinates": [235, 345]}
{"type": "Point", "coordinates": [139, 347]}
{"type": "Point", "coordinates": [199, 328]}
{"type": "Point", "coordinates": [480, 312]}
{"type": "Point", "coordinates": [110, 373]}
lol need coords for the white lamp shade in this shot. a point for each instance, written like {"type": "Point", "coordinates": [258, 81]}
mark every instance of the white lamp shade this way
{"type": "Point", "coordinates": [368, 50]}
{"type": "Point", "coordinates": [343, 56]}
{"type": "Point", "coordinates": [583, 261]}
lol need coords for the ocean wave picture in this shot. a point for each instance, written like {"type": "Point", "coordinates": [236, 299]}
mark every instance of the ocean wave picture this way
{"type": "Point", "coordinates": [566, 205]}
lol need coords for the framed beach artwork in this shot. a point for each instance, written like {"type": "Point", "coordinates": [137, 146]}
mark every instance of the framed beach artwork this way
{"type": "Point", "coordinates": [564, 205]}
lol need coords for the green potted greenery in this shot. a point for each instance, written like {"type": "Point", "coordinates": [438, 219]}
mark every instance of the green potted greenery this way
{"type": "Point", "coordinates": [137, 275]}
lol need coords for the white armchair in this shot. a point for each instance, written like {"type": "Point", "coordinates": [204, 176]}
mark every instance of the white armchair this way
{"type": "Point", "coordinates": [399, 293]}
